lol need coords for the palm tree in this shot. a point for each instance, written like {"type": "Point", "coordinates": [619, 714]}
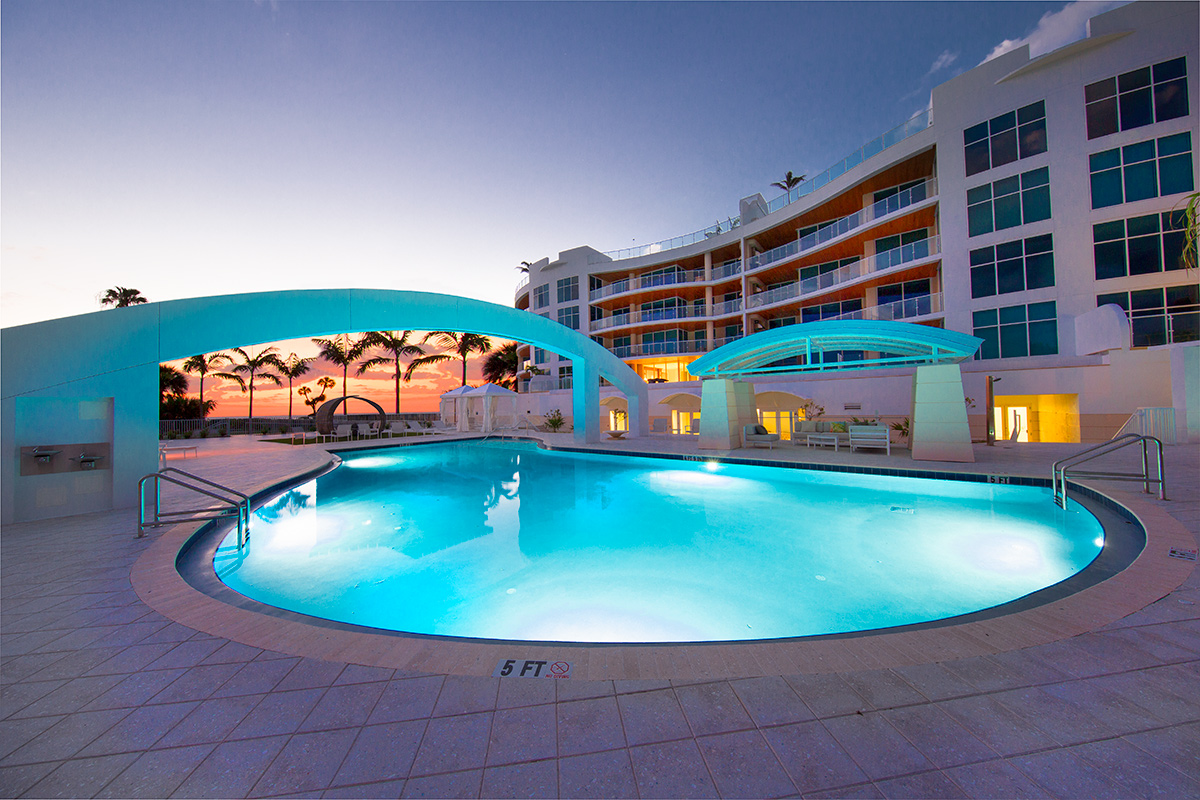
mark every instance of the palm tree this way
{"type": "Point", "coordinates": [500, 366]}
{"type": "Point", "coordinates": [461, 344]}
{"type": "Point", "coordinates": [120, 297]}
{"type": "Point", "coordinates": [202, 365]}
{"type": "Point", "coordinates": [341, 351]}
{"type": "Point", "coordinates": [525, 267]}
{"type": "Point", "coordinates": [398, 347]}
{"type": "Point", "coordinates": [171, 382]}
{"type": "Point", "coordinates": [788, 183]}
{"type": "Point", "coordinates": [307, 393]}
{"type": "Point", "coordinates": [293, 367]}
{"type": "Point", "coordinates": [254, 367]}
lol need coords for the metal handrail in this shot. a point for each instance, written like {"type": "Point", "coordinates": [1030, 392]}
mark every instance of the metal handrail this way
{"type": "Point", "coordinates": [239, 507]}
{"type": "Point", "coordinates": [1058, 472]}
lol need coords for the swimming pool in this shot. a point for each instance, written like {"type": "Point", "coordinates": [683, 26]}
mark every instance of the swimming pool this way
{"type": "Point", "coordinates": [503, 540]}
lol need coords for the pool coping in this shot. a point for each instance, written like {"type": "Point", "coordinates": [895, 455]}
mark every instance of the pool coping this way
{"type": "Point", "coordinates": [1152, 575]}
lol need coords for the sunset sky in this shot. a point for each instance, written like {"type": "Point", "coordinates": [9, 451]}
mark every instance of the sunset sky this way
{"type": "Point", "coordinates": [191, 148]}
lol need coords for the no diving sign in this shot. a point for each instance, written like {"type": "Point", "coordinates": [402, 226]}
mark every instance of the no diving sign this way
{"type": "Point", "coordinates": [530, 668]}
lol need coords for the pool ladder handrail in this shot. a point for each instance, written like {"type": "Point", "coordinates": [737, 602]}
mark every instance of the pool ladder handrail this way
{"type": "Point", "coordinates": [1058, 473]}
{"type": "Point", "coordinates": [239, 507]}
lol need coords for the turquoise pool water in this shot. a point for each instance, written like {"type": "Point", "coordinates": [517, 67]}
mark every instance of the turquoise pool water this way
{"type": "Point", "coordinates": [502, 540]}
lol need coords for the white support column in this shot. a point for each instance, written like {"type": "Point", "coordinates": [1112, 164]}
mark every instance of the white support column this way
{"type": "Point", "coordinates": [725, 406]}
{"type": "Point", "coordinates": [938, 429]}
{"type": "Point", "coordinates": [585, 401]}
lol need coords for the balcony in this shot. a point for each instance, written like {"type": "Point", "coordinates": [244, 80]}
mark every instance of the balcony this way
{"type": "Point", "coordinates": [647, 282]}
{"type": "Point", "coordinates": [728, 269]}
{"type": "Point", "coordinates": [880, 262]}
{"type": "Point", "coordinates": [651, 315]}
{"type": "Point", "coordinates": [840, 227]}
{"type": "Point", "coordinates": [922, 306]}
{"type": "Point", "coordinates": [521, 284]}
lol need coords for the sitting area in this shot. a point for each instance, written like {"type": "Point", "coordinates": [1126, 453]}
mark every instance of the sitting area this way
{"type": "Point", "coordinates": [758, 436]}
{"type": "Point", "coordinates": [164, 451]}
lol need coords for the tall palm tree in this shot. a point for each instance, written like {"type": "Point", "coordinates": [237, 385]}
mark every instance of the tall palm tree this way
{"type": "Point", "coordinates": [500, 366]}
{"type": "Point", "coordinates": [171, 382]}
{"type": "Point", "coordinates": [252, 367]}
{"type": "Point", "coordinates": [525, 267]}
{"type": "Point", "coordinates": [202, 365]}
{"type": "Point", "coordinates": [461, 344]}
{"type": "Point", "coordinates": [788, 183]}
{"type": "Point", "coordinates": [120, 297]}
{"type": "Point", "coordinates": [397, 347]}
{"type": "Point", "coordinates": [341, 351]}
{"type": "Point", "coordinates": [293, 367]}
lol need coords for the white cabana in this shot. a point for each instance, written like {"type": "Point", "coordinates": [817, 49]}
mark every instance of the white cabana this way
{"type": "Point", "coordinates": [450, 405]}
{"type": "Point", "coordinates": [493, 406]}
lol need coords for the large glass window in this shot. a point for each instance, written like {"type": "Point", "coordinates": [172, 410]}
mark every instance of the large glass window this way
{"type": "Point", "coordinates": [667, 308]}
{"type": "Point", "coordinates": [1154, 168]}
{"type": "Point", "coordinates": [662, 342]}
{"type": "Point", "coordinates": [1009, 202]}
{"type": "Point", "coordinates": [569, 316]}
{"type": "Point", "coordinates": [1139, 245]}
{"type": "Point", "coordinates": [1017, 331]}
{"type": "Point", "coordinates": [541, 296]}
{"type": "Point", "coordinates": [1006, 138]}
{"type": "Point", "coordinates": [1133, 99]}
{"type": "Point", "coordinates": [851, 308]}
{"type": "Point", "coordinates": [901, 248]}
{"type": "Point", "coordinates": [568, 289]}
{"type": "Point", "coordinates": [1013, 266]}
{"type": "Point", "coordinates": [1160, 316]}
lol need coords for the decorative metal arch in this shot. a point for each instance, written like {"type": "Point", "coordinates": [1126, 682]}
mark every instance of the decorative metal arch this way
{"type": "Point", "coordinates": [325, 412]}
{"type": "Point", "coordinates": [898, 344]}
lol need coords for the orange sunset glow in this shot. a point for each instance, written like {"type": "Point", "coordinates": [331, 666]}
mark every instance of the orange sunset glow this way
{"type": "Point", "coordinates": [421, 394]}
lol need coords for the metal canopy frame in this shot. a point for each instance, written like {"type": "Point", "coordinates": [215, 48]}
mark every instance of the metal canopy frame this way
{"type": "Point", "coordinates": [898, 344]}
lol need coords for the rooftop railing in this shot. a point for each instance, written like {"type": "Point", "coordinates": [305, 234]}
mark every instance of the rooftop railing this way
{"type": "Point", "coordinates": [521, 284]}
{"type": "Point", "coordinates": [904, 254]}
{"type": "Point", "coordinates": [678, 241]}
{"type": "Point", "coordinates": [904, 130]}
{"type": "Point", "coordinates": [898, 134]}
{"type": "Point", "coordinates": [842, 226]}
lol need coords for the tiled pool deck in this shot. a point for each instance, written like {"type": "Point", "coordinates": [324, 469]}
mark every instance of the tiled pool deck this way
{"type": "Point", "coordinates": [104, 694]}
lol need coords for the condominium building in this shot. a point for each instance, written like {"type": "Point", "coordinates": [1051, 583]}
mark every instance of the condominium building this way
{"type": "Point", "coordinates": [1032, 193]}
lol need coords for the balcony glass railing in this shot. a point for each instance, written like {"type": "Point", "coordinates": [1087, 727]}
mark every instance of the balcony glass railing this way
{"type": "Point", "coordinates": [1157, 326]}
{"type": "Point", "coordinates": [649, 315]}
{"type": "Point", "coordinates": [919, 306]}
{"type": "Point", "coordinates": [521, 284]}
{"type": "Point", "coordinates": [670, 278]}
{"type": "Point", "coordinates": [609, 289]}
{"type": "Point", "coordinates": [904, 254]}
{"type": "Point", "coordinates": [839, 227]}
{"type": "Point", "coordinates": [725, 270]}
{"type": "Point", "coordinates": [660, 349]}
{"type": "Point", "coordinates": [678, 241]}
{"type": "Point", "coordinates": [877, 145]}
{"type": "Point", "coordinates": [726, 308]}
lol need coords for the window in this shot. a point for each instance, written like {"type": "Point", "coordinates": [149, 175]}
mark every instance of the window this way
{"type": "Point", "coordinates": [670, 308]}
{"type": "Point", "coordinates": [1013, 266]}
{"type": "Point", "coordinates": [1153, 168]}
{"type": "Point", "coordinates": [541, 296]}
{"type": "Point", "coordinates": [1006, 138]}
{"type": "Point", "coordinates": [1139, 245]}
{"type": "Point", "coordinates": [831, 310]}
{"type": "Point", "coordinates": [1160, 316]}
{"type": "Point", "coordinates": [781, 322]}
{"type": "Point", "coordinates": [1009, 202]}
{"type": "Point", "coordinates": [1133, 99]}
{"type": "Point", "coordinates": [733, 331]}
{"type": "Point", "coordinates": [1017, 331]}
{"type": "Point", "coordinates": [660, 342]}
{"type": "Point", "coordinates": [884, 194]}
{"type": "Point", "coordinates": [622, 346]}
{"type": "Point", "coordinates": [568, 289]}
{"type": "Point", "coordinates": [595, 313]}
{"type": "Point", "coordinates": [564, 377]}
{"type": "Point", "coordinates": [821, 269]}
{"type": "Point", "coordinates": [665, 276]}
{"type": "Point", "coordinates": [569, 316]}
{"type": "Point", "coordinates": [901, 248]}
{"type": "Point", "coordinates": [539, 356]}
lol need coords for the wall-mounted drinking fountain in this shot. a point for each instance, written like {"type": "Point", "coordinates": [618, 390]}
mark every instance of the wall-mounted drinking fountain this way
{"type": "Point", "coordinates": [87, 461]}
{"type": "Point", "coordinates": [43, 455]}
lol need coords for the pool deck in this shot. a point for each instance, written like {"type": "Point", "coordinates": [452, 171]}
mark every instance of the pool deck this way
{"type": "Point", "coordinates": [118, 679]}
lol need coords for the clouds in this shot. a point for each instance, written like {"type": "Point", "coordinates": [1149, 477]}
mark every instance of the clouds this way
{"type": "Point", "coordinates": [1057, 28]}
{"type": "Point", "coordinates": [941, 62]}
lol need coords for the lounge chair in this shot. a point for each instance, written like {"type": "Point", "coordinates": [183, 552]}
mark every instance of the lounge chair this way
{"type": "Point", "coordinates": [870, 436]}
{"type": "Point", "coordinates": [372, 431]}
{"type": "Point", "coordinates": [398, 428]}
{"type": "Point", "coordinates": [346, 430]}
{"type": "Point", "coordinates": [757, 435]}
{"type": "Point", "coordinates": [417, 428]}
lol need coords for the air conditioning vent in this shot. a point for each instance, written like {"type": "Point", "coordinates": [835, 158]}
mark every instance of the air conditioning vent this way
{"type": "Point", "coordinates": [852, 406]}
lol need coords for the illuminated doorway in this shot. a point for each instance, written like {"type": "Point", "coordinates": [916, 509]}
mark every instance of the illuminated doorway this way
{"type": "Point", "coordinates": [1037, 417]}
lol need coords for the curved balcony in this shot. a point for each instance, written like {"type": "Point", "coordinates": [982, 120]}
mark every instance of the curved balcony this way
{"type": "Point", "coordinates": [923, 306]}
{"type": "Point", "coordinates": [648, 281]}
{"type": "Point", "coordinates": [875, 212]}
{"type": "Point", "coordinates": [619, 319]}
{"type": "Point", "coordinates": [522, 284]}
{"type": "Point", "coordinates": [901, 256]}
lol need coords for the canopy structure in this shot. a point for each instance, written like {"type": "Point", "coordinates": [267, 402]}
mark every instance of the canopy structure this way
{"type": "Point", "coordinates": [494, 406]}
{"type": "Point", "coordinates": [870, 343]}
{"type": "Point", "coordinates": [448, 405]}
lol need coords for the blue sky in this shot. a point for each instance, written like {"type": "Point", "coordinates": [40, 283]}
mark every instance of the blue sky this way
{"type": "Point", "coordinates": [187, 148]}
